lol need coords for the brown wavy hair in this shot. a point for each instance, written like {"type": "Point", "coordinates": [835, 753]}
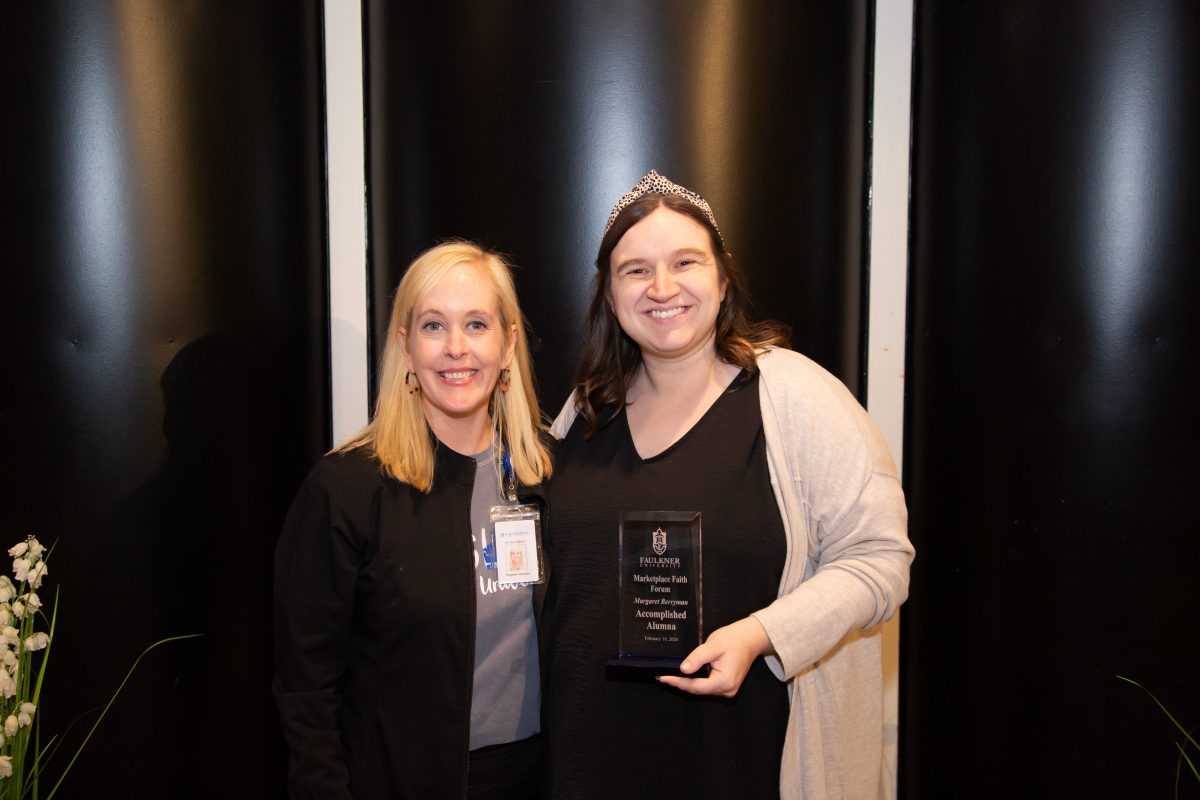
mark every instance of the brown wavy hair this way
{"type": "Point", "coordinates": [611, 359]}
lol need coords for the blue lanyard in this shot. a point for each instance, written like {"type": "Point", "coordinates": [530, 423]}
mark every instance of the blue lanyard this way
{"type": "Point", "coordinates": [510, 483]}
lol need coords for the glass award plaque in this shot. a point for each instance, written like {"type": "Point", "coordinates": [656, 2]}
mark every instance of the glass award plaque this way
{"type": "Point", "coordinates": [658, 588]}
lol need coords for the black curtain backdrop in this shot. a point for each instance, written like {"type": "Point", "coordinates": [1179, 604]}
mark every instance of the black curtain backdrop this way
{"type": "Point", "coordinates": [519, 124]}
{"type": "Point", "coordinates": [1051, 447]}
{"type": "Point", "coordinates": [164, 351]}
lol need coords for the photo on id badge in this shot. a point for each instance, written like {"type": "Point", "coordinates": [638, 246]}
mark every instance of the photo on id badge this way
{"type": "Point", "coordinates": [517, 561]}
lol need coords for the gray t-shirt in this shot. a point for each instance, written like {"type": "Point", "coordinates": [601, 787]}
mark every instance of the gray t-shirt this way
{"type": "Point", "coordinates": [506, 699]}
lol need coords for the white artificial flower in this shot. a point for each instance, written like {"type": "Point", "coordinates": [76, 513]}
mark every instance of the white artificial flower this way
{"type": "Point", "coordinates": [28, 708]}
{"type": "Point", "coordinates": [5, 766]}
{"type": "Point", "coordinates": [6, 593]}
{"type": "Point", "coordinates": [24, 720]}
{"type": "Point", "coordinates": [33, 601]}
{"type": "Point", "coordinates": [21, 568]}
{"type": "Point", "coordinates": [11, 725]}
{"type": "Point", "coordinates": [18, 609]}
{"type": "Point", "coordinates": [36, 574]}
{"type": "Point", "coordinates": [37, 641]}
{"type": "Point", "coordinates": [8, 687]}
{"type": "Point", "coordinates": [8, 657]}
{"type": "Point", "coordinates": [6, 615]}
{"type": "Point", "coordinates": [36, 548]}
{"type": "Point", "coordinates": [18, 549]}
{"type": "Point", "coordinates": [9, 635]}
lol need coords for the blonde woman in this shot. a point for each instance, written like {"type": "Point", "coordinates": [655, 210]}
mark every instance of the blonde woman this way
{"type": "Point", "coordinates": [405, 668]}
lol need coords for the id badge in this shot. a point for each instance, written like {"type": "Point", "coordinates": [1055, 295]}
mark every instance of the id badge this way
{"type": "Point", "coordinates": [517, 543]}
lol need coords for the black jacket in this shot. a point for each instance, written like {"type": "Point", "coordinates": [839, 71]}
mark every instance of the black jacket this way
{"type": "Point", "coordinates": [375, 631]}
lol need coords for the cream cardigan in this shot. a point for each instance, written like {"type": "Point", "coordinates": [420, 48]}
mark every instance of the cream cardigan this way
{"type": "Point", "coordinates": [845, 572]}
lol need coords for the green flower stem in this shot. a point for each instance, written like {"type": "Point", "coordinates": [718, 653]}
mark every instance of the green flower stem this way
{"type": "Point", "coordinates": [1182, 730]}
{"type": "Point", "coordinates": [1182, 748]}
{"type": "Point", "coordinates": [1190, 764]}
{"type": "Point", "coordinates": [18, 745]}
{"type": "Point", "coordinates": [37, 693]}
{"type": "Point", "coordinates": [108, 705]}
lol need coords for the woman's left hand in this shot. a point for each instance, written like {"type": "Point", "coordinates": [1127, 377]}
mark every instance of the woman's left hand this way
{"type": "Point", "coordinates": [729, 652]}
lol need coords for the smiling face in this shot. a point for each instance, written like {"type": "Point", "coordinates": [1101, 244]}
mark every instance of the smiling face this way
{"type": "Point", "coordinates": [457, 343]}
{"type": "Point", "coordinates": [666, 287]}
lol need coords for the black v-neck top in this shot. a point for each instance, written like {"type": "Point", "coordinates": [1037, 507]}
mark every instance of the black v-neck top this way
{"type": "Point", "coordinates": [615, 734]}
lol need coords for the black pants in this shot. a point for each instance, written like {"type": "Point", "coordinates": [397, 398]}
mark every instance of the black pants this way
{"type": "Point", "coordinates": [510, 771]}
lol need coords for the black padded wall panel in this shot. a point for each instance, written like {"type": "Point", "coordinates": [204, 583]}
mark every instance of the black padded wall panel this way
{"type": "Point", "coordinates": [1050, 449]}
{"type": "Point", "coordinates": [520, 123]}
{"type": "Point", "coordinates": [164, 354]}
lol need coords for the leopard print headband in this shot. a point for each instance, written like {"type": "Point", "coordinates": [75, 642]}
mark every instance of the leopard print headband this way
{"type": "Point", "coordinates": [653, 183]}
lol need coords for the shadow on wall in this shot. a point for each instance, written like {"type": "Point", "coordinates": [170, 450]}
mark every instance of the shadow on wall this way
{"type": "Point", "coordinates": [190, 551]}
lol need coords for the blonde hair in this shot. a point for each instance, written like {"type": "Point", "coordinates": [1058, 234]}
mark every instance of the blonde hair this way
{"type": "Point", "coordinates": [398, 435]}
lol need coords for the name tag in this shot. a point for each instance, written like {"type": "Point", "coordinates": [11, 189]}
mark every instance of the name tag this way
{"type": "Point", "coordinates": [517, 543]}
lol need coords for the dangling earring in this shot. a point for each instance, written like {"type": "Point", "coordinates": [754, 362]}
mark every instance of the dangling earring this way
{"type": "Point", "coordinates": [410, 380]}
{"type": "Point", "coordinates": [505, 378]}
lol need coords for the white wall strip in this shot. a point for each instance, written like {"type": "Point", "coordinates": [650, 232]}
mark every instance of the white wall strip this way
{"type": "Point", "coordinates": [348, 291]}
{"type": "Point", "coordinates": [888, 290]}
